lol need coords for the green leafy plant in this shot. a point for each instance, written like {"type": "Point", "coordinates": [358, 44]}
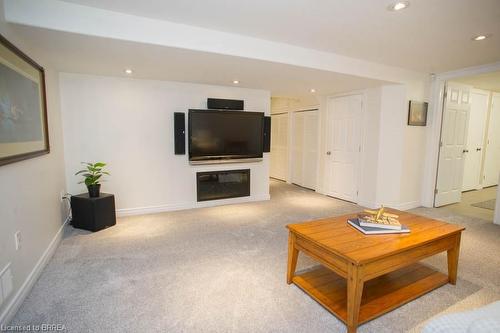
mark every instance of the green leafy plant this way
{"type": "Point", "coordinates": [92, 173]}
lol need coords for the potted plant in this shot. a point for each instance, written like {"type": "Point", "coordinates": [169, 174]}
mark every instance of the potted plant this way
{"type": "Point", "coordinates": [93, 173]}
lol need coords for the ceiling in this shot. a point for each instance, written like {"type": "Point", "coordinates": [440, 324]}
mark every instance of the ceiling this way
{"type": "Point", "coordinates": [68, 52]}
{"type": "Point", "coordinates": [430, 36]}
{"type": "Point", "coordinates": [488, 81]}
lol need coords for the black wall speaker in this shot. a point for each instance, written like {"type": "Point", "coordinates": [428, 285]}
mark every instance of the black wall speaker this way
{"type": "Point", "coordinates": [225, 104]}
{"type": "Point", "coordinates": [267, 134]}
{"type": "Point", "coordinates": [180, 133]}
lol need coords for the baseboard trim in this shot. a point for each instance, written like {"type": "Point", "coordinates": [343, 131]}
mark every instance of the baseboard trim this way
{"type": "Point", "coordinates": [15, 303]}
{"type": "Point", "coordinates": [188, 205]}
{"type": "Point", "coordinates": [368, 204]}
{"type": "Point", "coordinates": [408, 205]}
{"type": "Point", "coordinates": [399, 206]}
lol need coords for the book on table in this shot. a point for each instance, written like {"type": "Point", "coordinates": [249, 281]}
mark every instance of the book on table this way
{"type": "Point", "coordinates": [367, 230]}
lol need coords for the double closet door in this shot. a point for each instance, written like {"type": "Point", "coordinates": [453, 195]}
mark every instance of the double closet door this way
{"type": "Point", "coordinates": [305, 148]}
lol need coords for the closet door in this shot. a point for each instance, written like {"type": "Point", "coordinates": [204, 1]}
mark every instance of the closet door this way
{"type": "Point", "coordinates": [492, 157]}
{"type": "Point", "coordinates": [305, 148]}
{"type": "Point", "coordinates": [279, 146]}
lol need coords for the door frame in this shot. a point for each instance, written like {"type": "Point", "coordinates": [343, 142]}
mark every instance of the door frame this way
{"type": "Point", "coordinates": [322, 130]}
{"type": "Point", "coordinates": [434, 121]}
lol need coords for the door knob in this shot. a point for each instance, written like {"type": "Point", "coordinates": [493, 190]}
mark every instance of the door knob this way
{"type": "Point", "coordinates": [478, 149]}
{"type": "Point", "coordinates": [465, 151]}
{"type": "Point", "coordinates": [328, 153]}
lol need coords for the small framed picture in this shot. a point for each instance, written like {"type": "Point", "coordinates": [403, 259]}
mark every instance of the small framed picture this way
{"type": "Point", "coordinates": [417, 113]}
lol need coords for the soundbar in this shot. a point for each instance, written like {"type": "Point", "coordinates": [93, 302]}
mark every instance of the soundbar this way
{"type": "Point", "coordinates": [225, 104]}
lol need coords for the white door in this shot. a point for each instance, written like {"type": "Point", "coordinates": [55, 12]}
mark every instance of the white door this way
{"type": "Point", "coordinates": [279, 146]}
{"type": "Point", "coordinates": [492, 154]}
{"type": "Point", "coordinates": [475, 140]}
{"type": "Point", "coordinates": [305, 148]}
{"type": "Point", "coordinates": [453, 140]}
{"type": "Point", "coordinates": [342, 146]}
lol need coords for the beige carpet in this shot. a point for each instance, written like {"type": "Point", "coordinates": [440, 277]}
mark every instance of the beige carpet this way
{"type": "Point", "coordinates": [222, 269]}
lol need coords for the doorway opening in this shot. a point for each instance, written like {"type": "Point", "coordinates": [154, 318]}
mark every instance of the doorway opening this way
{"type": "Point", "coordinates": [468, 167]}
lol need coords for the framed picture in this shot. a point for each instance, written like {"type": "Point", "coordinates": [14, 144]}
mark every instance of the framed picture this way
{"type": "Point", "coordinates": [23, 108]}
{"type": "Point", "coordinates": [417, 113]}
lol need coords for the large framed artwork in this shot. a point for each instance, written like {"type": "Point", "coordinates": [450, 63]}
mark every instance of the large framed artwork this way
{"type": "Point", "coordinates": [23, 108]}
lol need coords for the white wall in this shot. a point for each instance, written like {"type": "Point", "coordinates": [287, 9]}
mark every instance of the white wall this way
{"type": "Point", "coordinates": [30, 198]}
{"type": "Point", "coordinates": [128, 123]}
{"type": "Point", "coordinates": [415, 148]}
{"type": "Point", "coordinates": [413, 166]}
{"type": "Point", "coordinates": [370, 148]}
{"type": "Point", "coordinates": [392, 145]}
{"type": "Point", "coordinates": [401, 160]}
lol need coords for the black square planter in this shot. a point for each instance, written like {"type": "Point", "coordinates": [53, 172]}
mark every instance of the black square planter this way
{"type": "Point", "coordinates": [93, 214]}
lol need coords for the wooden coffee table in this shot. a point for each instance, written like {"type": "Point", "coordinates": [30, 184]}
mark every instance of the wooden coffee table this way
{"type": "Point", "coordinates": [365, 276]}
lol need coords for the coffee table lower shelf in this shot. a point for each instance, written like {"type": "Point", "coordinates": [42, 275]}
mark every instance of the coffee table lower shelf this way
{"type": "Point", "coordinates": [380, 295]}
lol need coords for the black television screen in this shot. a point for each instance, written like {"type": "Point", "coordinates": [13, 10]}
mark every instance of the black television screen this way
{"type": "Point", "coordinates": [225, 134]}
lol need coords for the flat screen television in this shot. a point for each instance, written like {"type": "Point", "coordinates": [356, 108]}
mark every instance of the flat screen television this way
{"type": "Point", "coordinates": [224, 135]}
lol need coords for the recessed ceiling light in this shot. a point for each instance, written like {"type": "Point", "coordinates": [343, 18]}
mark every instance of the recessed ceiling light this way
{"type": "Point", "coordinates": [480, 37]}
{"type": "Point", "coordinates": [313, 90]}
{"type": "Point", "coordinates": [398, 6]}
{"type": "Point", "coordinates": [128, 71]}
{"type": "Point", "coordinates": [236, 82]}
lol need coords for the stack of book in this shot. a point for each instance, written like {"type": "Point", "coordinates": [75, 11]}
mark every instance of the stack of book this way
{"type": "Point", "coordinates": [381, 223]}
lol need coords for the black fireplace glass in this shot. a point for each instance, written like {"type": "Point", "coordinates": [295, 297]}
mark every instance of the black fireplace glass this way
{"type": "Point", "coordinates": [213, 185]}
